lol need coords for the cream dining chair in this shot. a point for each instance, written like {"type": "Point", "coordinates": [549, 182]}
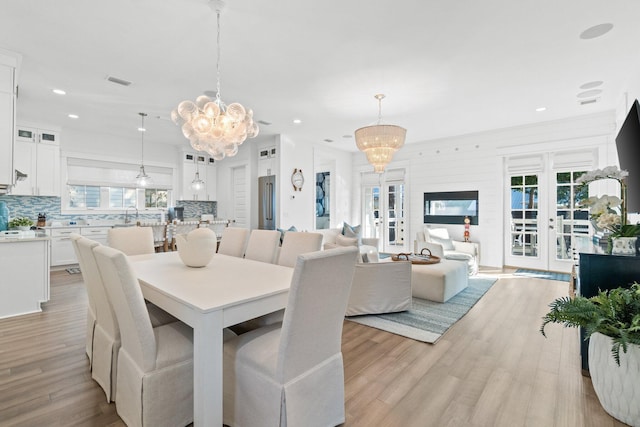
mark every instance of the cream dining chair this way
{"type": "Point", "coordinates": [292, 373]}
{"type": "Point", "coordinates": [296, 243]}
{"type": "Point", "coordinates": [263, 245]}
{"type": "Point", "coordinates": [155, 364]}
{"type": "Point", "coordinates": [233, 241]}
{"type": "Point", "coordinates": [132, 240]}
{"type": "Point", "coordinates": [92, 296]}
{"type": "Point", "coordinates": [106, 335]}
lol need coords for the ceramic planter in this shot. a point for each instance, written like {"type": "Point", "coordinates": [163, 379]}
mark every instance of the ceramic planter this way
{"type": "Point", "coordinates": [624, 246]}
{"type": "Point", "coordinates": [617, 387]}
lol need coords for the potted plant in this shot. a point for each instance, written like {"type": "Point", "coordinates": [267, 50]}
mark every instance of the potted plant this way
{"type": "Point", "coordinates": [21, 223]}
{"type": "Point", "coordinates": [611, 321]}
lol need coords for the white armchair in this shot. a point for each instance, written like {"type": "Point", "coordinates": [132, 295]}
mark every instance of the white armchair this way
{"type": "Point", "coordinates": [333, 238]}
{"type": "Point", "coordinates": [437, 240]}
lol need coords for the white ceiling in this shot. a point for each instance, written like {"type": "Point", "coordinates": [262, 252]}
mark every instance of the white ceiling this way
{"type": "Point", "coordinates": [447, 67]}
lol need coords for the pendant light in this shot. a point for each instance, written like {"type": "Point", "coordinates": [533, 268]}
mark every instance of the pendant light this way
{"type": "Point", "coordinates": [142, 179]}
{"type": "Point", "coordinates": [197, 184]}
{"type": "Point", "coordinates": [380, 141]}
{"type": "Point", "coordinates": [209, 124]}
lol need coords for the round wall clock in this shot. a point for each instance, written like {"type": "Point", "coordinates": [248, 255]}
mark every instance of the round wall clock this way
{"type": "Point", "coordinates": [297, 179]}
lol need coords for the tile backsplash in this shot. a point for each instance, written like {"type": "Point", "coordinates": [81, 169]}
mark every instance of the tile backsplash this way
{"type": "Point", "coordinates": [30, 206]}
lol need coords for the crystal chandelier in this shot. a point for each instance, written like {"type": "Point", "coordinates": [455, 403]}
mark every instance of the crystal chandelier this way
{"type": "Point", "coordinates": [142, 179]}
{"type": "Point", "coordinates": [211, 125]}
{"type": "Point", "coordinates": [379, 141]}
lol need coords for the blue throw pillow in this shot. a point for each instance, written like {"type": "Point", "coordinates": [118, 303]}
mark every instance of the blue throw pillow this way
{"type": "Point", "coordinates": [353, 231]}
{"type": "Point", "coordinates": [282, 231]}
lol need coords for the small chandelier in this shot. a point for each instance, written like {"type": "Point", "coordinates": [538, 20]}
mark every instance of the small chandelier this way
{"type": "Point", "coordinates": [197, 184]}
{"type": "Point", "coordinates": [211, 125]}
{"type": "Point", "coordinates": [142, 179]}
{"type": "Point", "coordinates": [379, 141]}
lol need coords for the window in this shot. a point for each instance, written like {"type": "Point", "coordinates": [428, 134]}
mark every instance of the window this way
{"type": "Point", "coordinates": [451, 207]}
{"type": "Point", "coordinates": [90, 197]}
{"type": "Point", "coordinates": [154, 198]}
{"type": "Point", "coordinates": [84, 196]}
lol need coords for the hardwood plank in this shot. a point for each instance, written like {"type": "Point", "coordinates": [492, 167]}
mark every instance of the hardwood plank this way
{"type": "Point", "coordinates": [492, 368]}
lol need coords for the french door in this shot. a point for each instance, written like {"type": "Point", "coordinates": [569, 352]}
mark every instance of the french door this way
{"type": "Point", "coordinates": [545, 223]}
{"type": "Point", "coordinates": [384, 214]}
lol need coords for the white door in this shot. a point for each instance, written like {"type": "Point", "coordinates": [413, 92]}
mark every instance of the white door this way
{"type": "Point", "coordinates": [240, 196]}
{"type": "Point", "coordinates": [545, 223]}
{"type": "Point", "coordinates": [384, 210]}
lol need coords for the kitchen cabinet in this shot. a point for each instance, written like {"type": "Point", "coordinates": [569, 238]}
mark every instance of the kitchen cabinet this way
{"type": "Point", "coordinates": [7, 118]}
{"type": "Point", "coordinates": [25, 275]}
{"type": "Point", "coordinates": [98, 234]}
{"type": "Point", "coordinates": [37, 154]}
{"type": "Point", "coordinates": [197, 162]}
{"type": "Point", "coordinates": [267, 161]}
{"type": "Point", "coordinates": [210, 181]}
{"type": "Point", "coordinates": [62, 252]}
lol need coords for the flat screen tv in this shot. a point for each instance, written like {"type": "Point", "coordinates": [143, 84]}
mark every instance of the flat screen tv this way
{"type": "Point", "coordinates": [628, 145]}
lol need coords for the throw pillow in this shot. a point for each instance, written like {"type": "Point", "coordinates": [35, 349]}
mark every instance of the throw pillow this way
{"type": "Point", "coordinates": [282, 231]}
{"type": "Point", "coordinates": [346, 241]}
{"type": "Point", "coordinates": [353, 231]}
{"type": "Point", "coordinates": [441, 236]}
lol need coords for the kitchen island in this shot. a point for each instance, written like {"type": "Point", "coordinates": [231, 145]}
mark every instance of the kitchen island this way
{"type": "Point", "coordinates": [24, 263]}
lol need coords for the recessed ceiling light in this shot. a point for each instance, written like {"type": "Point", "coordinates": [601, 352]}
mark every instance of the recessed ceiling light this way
{"type": "Point", "coordinates": [539, 109]}
{"type": "Point", "coordinates": [591, 85]}
{"type": "Point", "coordinates": [596, 31]}
{"type": "Point", "coordinates": [59, 92]}
{"type": "Point", "coordinates": [142, 130]}
{"type": "Point", "coordinates": [297, 121]}
{"type": "Point", "coordinates": [73, 116]}
{"type": "Point", "coordinates": [589, 93]}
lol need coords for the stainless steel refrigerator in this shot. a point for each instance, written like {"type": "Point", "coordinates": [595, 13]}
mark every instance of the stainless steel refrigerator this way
{"type": "Point", "coordinates": [267, 202]}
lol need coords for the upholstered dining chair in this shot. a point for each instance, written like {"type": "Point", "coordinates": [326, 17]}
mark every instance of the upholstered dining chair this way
{"type": "Point", "coordinates": [263, 245]}
{"type": "Point", "coordinates": [92, 296]}
{"type": "Point", "coordinates": [132, 240]}
{"type": "Point", "coordinates": [106, 335]}
{"type": "Point", "coordinates": [155, 365]}
{"type": "Point", "coordinates": [296, 243]}
{"type": "Point", "coordinates": [233, 241]}
{"type": "Point", "coordinates": [291, 373]}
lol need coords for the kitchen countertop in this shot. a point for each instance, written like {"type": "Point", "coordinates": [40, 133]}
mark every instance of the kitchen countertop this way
{"type": "Point", "coordinates": [11, 239]}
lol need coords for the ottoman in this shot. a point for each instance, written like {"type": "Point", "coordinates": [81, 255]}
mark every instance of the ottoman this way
{"type": "Point", "coordinates": [439, 282]}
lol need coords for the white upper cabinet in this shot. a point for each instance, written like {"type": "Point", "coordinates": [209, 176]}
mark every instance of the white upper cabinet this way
{"type": "Point", "coordinates": [193, 162]}
{"type": "Point", "coordinates": [7, 120]}
{"type": "Point", "coordinates": [267, 161]}
{"type": "Point", "coordinates": [37, 155]}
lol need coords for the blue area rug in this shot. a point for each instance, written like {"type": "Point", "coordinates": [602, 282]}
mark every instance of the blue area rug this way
{"type": "Point", "coordinates": [539, 274]}
{"type": "Point", "coordinates": [427, 321]}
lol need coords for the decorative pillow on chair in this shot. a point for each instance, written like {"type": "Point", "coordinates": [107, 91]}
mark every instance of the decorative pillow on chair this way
{"type": "Point", "coordinates": [346, 241]}
{"type": "Point", "coordinates": [353, 231]}
{"type": "Point", "coordinates": [282, 231]}
{"type": "Point", "coordinates": [441, 236]}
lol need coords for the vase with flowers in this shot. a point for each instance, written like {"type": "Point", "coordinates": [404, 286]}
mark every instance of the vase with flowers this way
{"type": "Point", "coordinates": [609, 213]}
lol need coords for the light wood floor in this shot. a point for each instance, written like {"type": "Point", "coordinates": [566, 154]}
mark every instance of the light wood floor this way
{"type": "Point", "coordinates": [492, 368]}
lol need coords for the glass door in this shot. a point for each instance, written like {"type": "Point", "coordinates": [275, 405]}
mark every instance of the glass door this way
{"type": "Point", "coordinates": [545, 222]}
{"type": "Point", "coordinates": [384, 215]}
{"type": "Point", "coordinates": [569, 223]}
{"type": "Point", "coordinates": [524, 234]}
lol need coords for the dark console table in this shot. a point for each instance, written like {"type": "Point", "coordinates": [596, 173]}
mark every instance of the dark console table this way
{"type": "Point", "coordinates": [604, 272]}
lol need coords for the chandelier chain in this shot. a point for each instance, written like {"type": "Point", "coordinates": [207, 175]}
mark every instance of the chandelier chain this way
{"type": "Point", "coordinates": [218, 96]}
{"type": "Point", "coordinates": [142, 130]}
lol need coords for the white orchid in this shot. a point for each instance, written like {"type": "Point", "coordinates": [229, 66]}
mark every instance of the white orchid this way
{"type": "Point", "coordinates": [609, 172]}
{"type": "Point", "coordinates": [609, 221]}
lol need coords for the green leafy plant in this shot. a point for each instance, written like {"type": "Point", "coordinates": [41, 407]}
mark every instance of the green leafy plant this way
{"type": "Point", "coordinates": [20, 221]}
{"type": "Point", "coordinates": [614, 313]}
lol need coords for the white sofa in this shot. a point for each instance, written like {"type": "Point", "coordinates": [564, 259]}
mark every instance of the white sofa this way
{"type": "Point", "coordinates": [333, 238]}
{"type": "Point", "coordinates": [437, 240]}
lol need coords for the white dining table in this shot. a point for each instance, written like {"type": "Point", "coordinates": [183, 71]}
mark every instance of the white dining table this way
{"type": "Point", "coordinates": [229, 290]}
